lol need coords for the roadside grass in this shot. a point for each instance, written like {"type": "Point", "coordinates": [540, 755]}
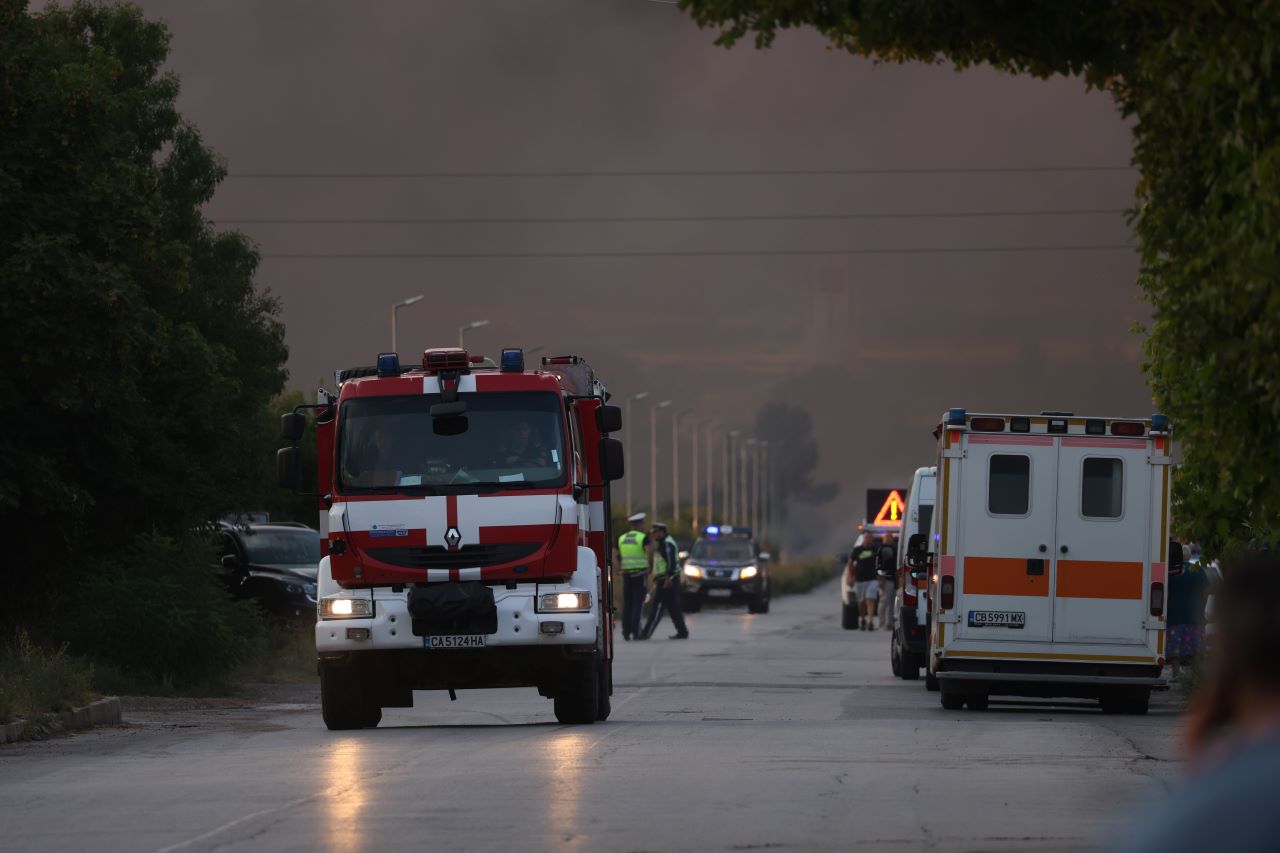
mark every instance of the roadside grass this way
{"type": "Point", "coordinates": [36, 680]}
{"type": "Point", "coordinates": [792, 578]}
{"type": "Point", "coordinates": [288, 656]}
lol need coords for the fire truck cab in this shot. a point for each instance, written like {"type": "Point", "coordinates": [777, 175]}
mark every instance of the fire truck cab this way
{"type": "Point", "coordinates": [1048, 558]}
{"type": "Point", "coordinates": [464, 511]}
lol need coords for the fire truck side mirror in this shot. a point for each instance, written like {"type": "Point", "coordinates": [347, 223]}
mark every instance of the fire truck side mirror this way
{"type": "Point", "coordinates": [917, 550]}
{"type": "Point", "coordinates": [287, 468]}
{"type": "Point", "coordinates": [609, 419]}
{"type": "Point", "coordinates": [292, 425]}
{"type": "Point", "coordinates": [611, 462]}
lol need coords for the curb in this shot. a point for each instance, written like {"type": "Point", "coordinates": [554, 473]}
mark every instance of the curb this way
{"type": "Point", "coordinates": [103, 712]}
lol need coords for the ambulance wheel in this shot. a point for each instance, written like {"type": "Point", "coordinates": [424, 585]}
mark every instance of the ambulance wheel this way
{"type": "Point", "coordinates": [344, 703]}
{"type": "Point", "coordinates": [603, 703]}
{"type": "Point", "coordinates": [691, 603]}
{"type": "Point", "coordinates": [977, 701]}
{"type": "Point", "coordinates": [952, 700]}
{"type": "Point", "coordinates": [849, 617]}
{"type": "Point", "coordinates": [895, 657]}
{"type": "Point", "coordinates": [577, 698]}
{"type": "Point", "coordinates": [908, 664]}
{"type": "Point", "coordinates": [930, 682]}
{"type": "Point", "coordinates": [1139, 704]}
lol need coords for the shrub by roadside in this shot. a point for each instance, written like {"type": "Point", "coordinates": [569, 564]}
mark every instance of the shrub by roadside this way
{"type": "Point", "coordinates": [795, 577]}
{"type": "Point", "coordinates": [36, 680]}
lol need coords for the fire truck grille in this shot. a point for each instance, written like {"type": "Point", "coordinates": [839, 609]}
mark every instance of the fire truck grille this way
{"type": "Point", "coordinates": [466, 557]}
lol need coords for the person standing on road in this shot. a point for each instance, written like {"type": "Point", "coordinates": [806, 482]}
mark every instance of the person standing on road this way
{"type": "Point", "coordinates": [887, 573]}
{"type": "Point", "coordinates": [1188, 590]}
{"type": "Point", "coordinates": [634, 556]}
{"type": "Point", "coordinates": [666, 582]}
{"type": "Point", "coordinates": [866, 583]}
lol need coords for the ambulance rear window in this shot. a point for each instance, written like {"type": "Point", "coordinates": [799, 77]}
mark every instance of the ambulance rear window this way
{"type": "Point", "coordinates": [1009, 484]}
{"type": "Point", "coordinates": [1102, 488]}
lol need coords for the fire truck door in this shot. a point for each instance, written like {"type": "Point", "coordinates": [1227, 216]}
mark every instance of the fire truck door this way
{"type": "Point", "coordinates": [1104, 535]}
{"type": "Point", "coordinates": [1005, 538]}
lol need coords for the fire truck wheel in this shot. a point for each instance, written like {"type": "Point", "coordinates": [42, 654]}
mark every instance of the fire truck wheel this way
{"type": "Point", "coordinates": [344, 704]}
{"type": "Point", "coordinates": [849, 616]}
{"type": "Point", "coordinates": [952, 700]}
{"type": "Point", "coordinates": [577, 697]}
{"type": "Point", "coordinates": [603, 703]}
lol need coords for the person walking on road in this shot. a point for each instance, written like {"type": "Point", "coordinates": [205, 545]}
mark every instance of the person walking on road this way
{"type": "Point", "coordinates": [887, 573]}
{"type": "Point", "coordinates": [666, 582]}
{"type": "Point", "coordinates": [866, 583]}
{"type": "Point", "coordinates": [634, 555]}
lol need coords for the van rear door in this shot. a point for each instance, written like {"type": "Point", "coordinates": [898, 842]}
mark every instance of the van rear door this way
{"type": "Point", "coordinates": [1006, 533]}
{"type": "Point", "coordinates": [1103, 539]}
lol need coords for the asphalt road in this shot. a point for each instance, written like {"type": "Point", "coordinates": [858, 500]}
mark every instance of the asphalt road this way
{"type": "Point", "coordinates": [778, 731]}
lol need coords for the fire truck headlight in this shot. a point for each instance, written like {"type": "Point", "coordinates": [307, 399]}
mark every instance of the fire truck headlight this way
{"type": "Point", "coordinates": [748, 573]}
{"type": "Point", "coordinates": [346, 608]}
{"type": "Point", "coordinates": [564, 602]}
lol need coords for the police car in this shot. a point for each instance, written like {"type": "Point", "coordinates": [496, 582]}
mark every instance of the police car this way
{"type": "Point", "coordinates": [725, 565]}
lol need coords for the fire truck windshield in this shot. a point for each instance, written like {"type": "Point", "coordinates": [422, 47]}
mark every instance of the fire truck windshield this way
{"type": "Point", "coordinates": [513, 440]}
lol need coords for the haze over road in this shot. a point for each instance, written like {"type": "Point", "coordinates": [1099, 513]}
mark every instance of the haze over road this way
{"type": "Point", "coordinates": [776, 731]}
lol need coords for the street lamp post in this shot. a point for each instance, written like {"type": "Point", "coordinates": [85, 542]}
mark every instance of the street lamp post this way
{"type": "Point", "coordinates": [749, 478]}
{"type": "Point", "coordinates": [653, 455]}
{"type": "Point", "coordinates": [404, 303]}
{"type": "Point", "coordinates": [711, 515]}
{"type": "Point", "coordinates": [697, 519]}
{"type": "Point", "coordinates": [626, 440]}
{"type": "Point", "coordinates": [675, 463]}
{"type": "Point", "coordinates": [730, 475]}
{"type": "Point", "coordinates": [764, 487]}
{"type": "Point", "coordinates": [474, 324]}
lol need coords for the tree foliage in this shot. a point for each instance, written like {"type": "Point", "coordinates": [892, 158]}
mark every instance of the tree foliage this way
{"type": "Point", "coordinates": [1200, 78]}
{"type": "Point", "coordinates": [793, 454]}
{"type": "Point", "coordinates": [138, 356]}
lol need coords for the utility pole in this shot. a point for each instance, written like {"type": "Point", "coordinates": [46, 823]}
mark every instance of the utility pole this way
{"type": "Point", "coordinates": [764, 487]}
{"type": "Point", "coordinates": [697, 518]}
{"type": "Point", "coordinates": [626, 438]}
{"type": "Point", "coordinates": [675, 463]}
{"type": "Point", "coordinates": [404, 303]}
{"type": "Point", "coordinates": [731, 475]}
{"type": "Point", "coordinates": [653, 456]}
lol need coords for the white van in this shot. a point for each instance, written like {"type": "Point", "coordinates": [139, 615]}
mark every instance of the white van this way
{"type": "Point", "coordinates": [1048, 558]}
{"type": "Point", "coordinates": [910, 641]}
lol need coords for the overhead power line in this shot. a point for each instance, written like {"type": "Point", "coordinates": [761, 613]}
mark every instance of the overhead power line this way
{"type": "Point", "coordinates": [586, 220]}
{"type": "Point", "coordinates": [678, 173]}
{"type": "Point", "coordinates": [693, 253]}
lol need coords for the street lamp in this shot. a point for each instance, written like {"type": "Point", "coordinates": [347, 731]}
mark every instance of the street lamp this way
{"type": "Point", "coordinates": [394, 308]}
{"type": "Point", "coordinates": [730, 486]}
{"type": "Point", "coordinates": [697, 428]}
{"type": "Point", "coordinates": [749, 483]}
{"type": "Point", "coordinates": [675, 463]}
{"type": "Point", "coordinates": [653, 455]}
{"type": "Point", "coordinates": [475, 324]}
{"type": "Point", "coordinates": [763, 475]}
{"type": "Point", "coordinates": [626, 440]}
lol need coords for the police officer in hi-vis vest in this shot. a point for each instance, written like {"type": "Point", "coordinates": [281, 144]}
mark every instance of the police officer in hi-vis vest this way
{"type": "Point", "coordinates": [634, 555]}
{"type": "Point", "coordinates": [666, 584]}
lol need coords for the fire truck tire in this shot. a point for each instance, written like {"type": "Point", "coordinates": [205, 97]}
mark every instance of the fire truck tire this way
{"type": "Point", "coordinates": [577, 698]}
{"type": "Point", "coordinates": [849, 616]}
{"type": "Point", "coordinates": [344, 704]}
{"type": "Point", "coordinates": [603, 704]}
{"type": "Point", "coordinates": [952, 700]}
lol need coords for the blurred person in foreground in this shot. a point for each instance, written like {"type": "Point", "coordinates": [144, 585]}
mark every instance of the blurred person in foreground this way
{"type": "Point", "coordinates": [1232, 730]}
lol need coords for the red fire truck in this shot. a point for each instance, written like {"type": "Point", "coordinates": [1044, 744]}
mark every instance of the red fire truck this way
{"type": "Point", "coordinates": [464, 511]}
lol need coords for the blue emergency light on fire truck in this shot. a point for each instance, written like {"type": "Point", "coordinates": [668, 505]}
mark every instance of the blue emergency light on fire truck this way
{"type": "Point", "coordinates": [464, 515]}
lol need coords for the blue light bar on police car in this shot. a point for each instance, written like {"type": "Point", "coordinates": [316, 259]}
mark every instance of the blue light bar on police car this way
{"type": "Point", "coordinates": [711, 530]}
{"type": "Point", "coordinates": [513, 360]}
{"type": "Point", "coordinates": [388, 364]}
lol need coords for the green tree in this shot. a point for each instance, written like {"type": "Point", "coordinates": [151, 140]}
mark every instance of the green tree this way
{"type": "Point", "coordinates": [138, 356]}
{"type": "Point", "coordinates": [793, 455]}
{"type": "Point", "coordinates": [1201, 79]}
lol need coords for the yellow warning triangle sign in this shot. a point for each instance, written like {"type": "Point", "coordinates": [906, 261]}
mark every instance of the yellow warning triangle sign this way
{"type": "Point", "coordinates": [891, 513]}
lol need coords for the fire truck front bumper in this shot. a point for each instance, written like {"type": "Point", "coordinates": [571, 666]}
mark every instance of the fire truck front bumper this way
{"type": "Point", "coordinates": [520, 617]}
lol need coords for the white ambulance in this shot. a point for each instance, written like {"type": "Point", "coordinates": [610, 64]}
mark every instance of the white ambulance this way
{"type": "Point", "coordinates": [1048, 558]}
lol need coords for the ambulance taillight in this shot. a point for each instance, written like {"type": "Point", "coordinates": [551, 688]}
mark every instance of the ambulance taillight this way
{"type": "Point", "coordinates": [947, 594]}
{"type": "Point", "coordinates": [1157, 599]}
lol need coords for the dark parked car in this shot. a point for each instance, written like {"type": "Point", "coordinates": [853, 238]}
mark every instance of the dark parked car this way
{"type": "Point", "coordinates": [274, 564]}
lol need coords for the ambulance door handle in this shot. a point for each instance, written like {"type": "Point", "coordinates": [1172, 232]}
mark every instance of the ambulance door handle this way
{"type": "Point", "coordinates": [1063, 549]}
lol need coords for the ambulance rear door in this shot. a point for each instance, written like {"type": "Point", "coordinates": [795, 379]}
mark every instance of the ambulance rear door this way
{"type": "Point", "coordinates": [1005, 535]}
{"type": "Point", "coordinates": [1104, 539]}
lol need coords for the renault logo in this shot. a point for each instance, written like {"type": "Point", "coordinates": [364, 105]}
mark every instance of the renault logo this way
{"type": "Point", "coordinates": [452, 538]}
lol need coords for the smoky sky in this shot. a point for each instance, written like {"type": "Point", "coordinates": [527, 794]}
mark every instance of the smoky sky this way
{"type": "Point", "coordinates": [721, 228]}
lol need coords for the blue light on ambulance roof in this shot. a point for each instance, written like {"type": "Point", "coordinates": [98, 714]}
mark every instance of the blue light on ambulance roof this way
{"type": "Point", "coordinates": [388, 364]}
{"type": "Point", "coordinates": [1159, 423]}
{"type": "Point", "coordinates": [711, 529]}
{"type": "Point", "coordinates": [955, 417]}
{"type": "Point", "coordinates": [513, 360]}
